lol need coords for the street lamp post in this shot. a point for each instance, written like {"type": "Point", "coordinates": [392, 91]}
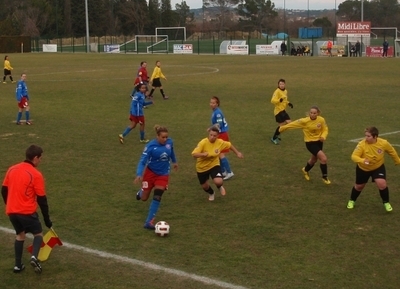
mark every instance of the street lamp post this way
{"type": "Point", "coordinates": [284, 16]}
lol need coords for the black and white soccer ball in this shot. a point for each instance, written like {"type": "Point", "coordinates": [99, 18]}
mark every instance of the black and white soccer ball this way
{"type": "Point", "coordinates": [162, 229]}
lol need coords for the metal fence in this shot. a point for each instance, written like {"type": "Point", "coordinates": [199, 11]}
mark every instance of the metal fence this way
{"type": "Point", "coordinates": [199, 45]}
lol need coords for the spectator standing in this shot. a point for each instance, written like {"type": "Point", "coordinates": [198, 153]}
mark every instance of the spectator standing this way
{"type": "Point", "coordinates": [283, 48]}
{"type": "Point", "coordinates": [358, 49]}
{"type": "Point", "coordinates": [385, 48]}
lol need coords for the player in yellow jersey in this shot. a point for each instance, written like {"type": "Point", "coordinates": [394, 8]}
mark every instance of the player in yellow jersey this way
{"type": "Point", "coordinates": [315, 132]}
{"type": "Point", "coordinates": [280, 101]}
{"type": "Point", "coordinates": [155, 80]}
{"type": "Point", "coordinates": [207, 154]}
{"type": "Point", "coordinates": [369, 155]}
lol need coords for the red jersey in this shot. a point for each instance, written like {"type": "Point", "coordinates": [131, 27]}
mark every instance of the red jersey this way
{"type": "Point", "coordinates": [24, 183]}
{"type": "Point", "coordinates": [142, 74]}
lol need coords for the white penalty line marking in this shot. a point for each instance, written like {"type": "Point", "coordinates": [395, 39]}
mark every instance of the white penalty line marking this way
{"type": "Point", "coordinates": [147, 265]}
{"type": "Point", "coordinates": [381, 134]}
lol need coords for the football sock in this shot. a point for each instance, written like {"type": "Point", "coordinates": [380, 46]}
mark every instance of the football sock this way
{"type": "Point", "coordinates": [154, 205]}
{"type": "Point", "coordinates": [27, 115]}
{"type": "Point", "coordinates": [151, 92]}
{"type": "Point", "coordinates": [4, 78]}
{"type": "Point", "coordinates": [11, 78]}
{"type": "Point", "coordinates": [225, 165]}
{"type": "Point", "coordinates": [354, 194]}
{"type": "Point", "coordinates": [142, 134]}
{"type": "Point", "coordinates": [19, 116]}
{"type": "Point", "coordinates": [324, 170]}
{"type": "Point", "coordinates": [308, 167]}
{"type": "Point", "coordinates": [162, 92]}
{"type": "Point", "coordinates": [18, 248]}
{"type": "Point", "coordinates": [209, 190]}
{"type": "Point", "coordinates": [37, 243]}
{"type": "Point", "coordinates": [126, 131]}
{"type": "Point", "coordinates": [276, 133]}
{"type": "Point", "coordinates": [384, 195]}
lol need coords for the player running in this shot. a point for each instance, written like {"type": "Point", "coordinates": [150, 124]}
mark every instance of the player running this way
{"type": "Point", "coordinates": [153, 171]}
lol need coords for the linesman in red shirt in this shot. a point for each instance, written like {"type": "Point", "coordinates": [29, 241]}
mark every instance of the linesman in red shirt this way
{"type": "Point", "coordinates": [22, 190]}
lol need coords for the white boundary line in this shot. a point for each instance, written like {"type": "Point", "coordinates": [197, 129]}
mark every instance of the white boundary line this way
{"type": "Point", "coordinates": [147, 265]}
{"type": "Point", "coordinates": [381, 134]}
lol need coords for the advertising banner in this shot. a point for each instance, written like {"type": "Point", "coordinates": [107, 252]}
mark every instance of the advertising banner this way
{"type": "Point", "coordinates": [353, 29]}
{"type": "Point", "coordinates": [49, 47]}
{"type": "Point", "coordinates": [111, 48]}
{"type": "Point", "coordinates": [183, 48]}
{"type": "Point", "coordinates": [267, 49]}
{"type": "Point", "coordinates": [238, 49]}
{"type": "Point", "coordinates": [377, 51]}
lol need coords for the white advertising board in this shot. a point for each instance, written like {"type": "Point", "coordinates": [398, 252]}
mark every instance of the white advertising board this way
{"type": "Point", "coordinates": [238, 49]}
{"type": "Point", "coordinates": [49, 47]}
{"type": "Point", "coordinates": [111, 48]}
{"type": "Point", "coordinates": [183, 48]}
{"type": "Point", "coordinates": [267, 49]}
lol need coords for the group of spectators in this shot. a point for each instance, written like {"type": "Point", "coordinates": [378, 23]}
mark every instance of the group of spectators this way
{"type": "Point", "coordinates": [299, 51]}
{"type": "Point", "coordinates": [355, 49]}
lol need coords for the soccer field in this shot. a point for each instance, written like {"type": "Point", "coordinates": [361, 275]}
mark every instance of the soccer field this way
{"type": "Point", "coordinates": [273, 229]}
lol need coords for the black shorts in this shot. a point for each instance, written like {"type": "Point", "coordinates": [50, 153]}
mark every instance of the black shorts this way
{"type": "Point", "coordinates": [362, 176]}
{"type": "Point", "coordinates": [282, 116]}
{"type": "Point", "coordinates": [314, 147]}
{"type": "Point", "coordinates": [26, 223]}
{"type": "Point", "coordinates": [214, 172]}
{"type": "Point", "coordinates": [7, 72]}
{"type": "Point", "coordinates": [156, 82]}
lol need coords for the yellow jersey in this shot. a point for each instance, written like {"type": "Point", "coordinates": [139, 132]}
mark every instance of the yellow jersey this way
{"type": "Point", "coordinates": [276, 100]}
{"type": "Point", "coordinates": [7, 65]}
{"type": "Point", "coordinates": [374, 153]}
{"type": "Point", "coordinates": [313, 129]}
{"type": "Point", "coordinates": [157, 73]}
{"type": "Point", "coordinates": [214, 149]}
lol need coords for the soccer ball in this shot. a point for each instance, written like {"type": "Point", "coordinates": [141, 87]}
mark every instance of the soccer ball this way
{"type": "Point", "coordinates": [162, 228]}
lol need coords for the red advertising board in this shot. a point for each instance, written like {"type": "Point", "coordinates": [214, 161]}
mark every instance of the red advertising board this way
{"type": "Point", "coordinates": [353, 29]}
{"type": "Point", "coordinates": [376, 51]}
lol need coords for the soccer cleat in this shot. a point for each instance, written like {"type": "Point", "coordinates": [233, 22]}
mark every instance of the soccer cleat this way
{"type": "Point", "coordinates": [139, 195]}
{"type": "Point", "coordinates": [165, 97]}
{"type": "Point", "coordinates": [326, 181]}
{"type": "Point", "coordinates": [19, 269]}
{"type": "Point", "coordinates": [13, 81]}
{"type": "Point", "coordinates": [19, 123]}
{"type": "Point", "coordinates": [144, 140]}
{"type": "Point", "coordinates": [228, 176]}
{"type": "Point", "coordinates": [121, 138]}
{"type": "Point", "coordinates": [351, 204]}
{"type": "Point", "coordinates": [28, 122]}
{"type": "Point", "coordinates": [275, 141]}
{"type": "Point", "coordinates": [222, 191]}
{"type": "Point", "coordinates": [36, 265]}
{"type": "Point", "coordinates": [211, 197]}
{"type": "Point", "coordinates": [306, 175]}
{"type": "Point", "coordinates": [4, 82]}
{"type": "Point", "coordinates": [149, 226]}
{"type": "Point", "coordinates": [388, 207]}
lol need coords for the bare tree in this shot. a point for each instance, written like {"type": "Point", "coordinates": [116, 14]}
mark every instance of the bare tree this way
{"type": "Point", "coordinates": [223, 9]}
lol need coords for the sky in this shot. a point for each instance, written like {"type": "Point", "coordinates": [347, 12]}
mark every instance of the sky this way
{"type": "Point", "coordinates": [289, 4]}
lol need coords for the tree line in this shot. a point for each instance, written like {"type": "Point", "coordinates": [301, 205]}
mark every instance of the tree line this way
{"type": "Point", "coordinates": [66, 18]}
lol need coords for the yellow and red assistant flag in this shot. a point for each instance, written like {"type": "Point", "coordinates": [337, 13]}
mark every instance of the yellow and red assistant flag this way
{"type": "Point", "coordinates": [50, 239]}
